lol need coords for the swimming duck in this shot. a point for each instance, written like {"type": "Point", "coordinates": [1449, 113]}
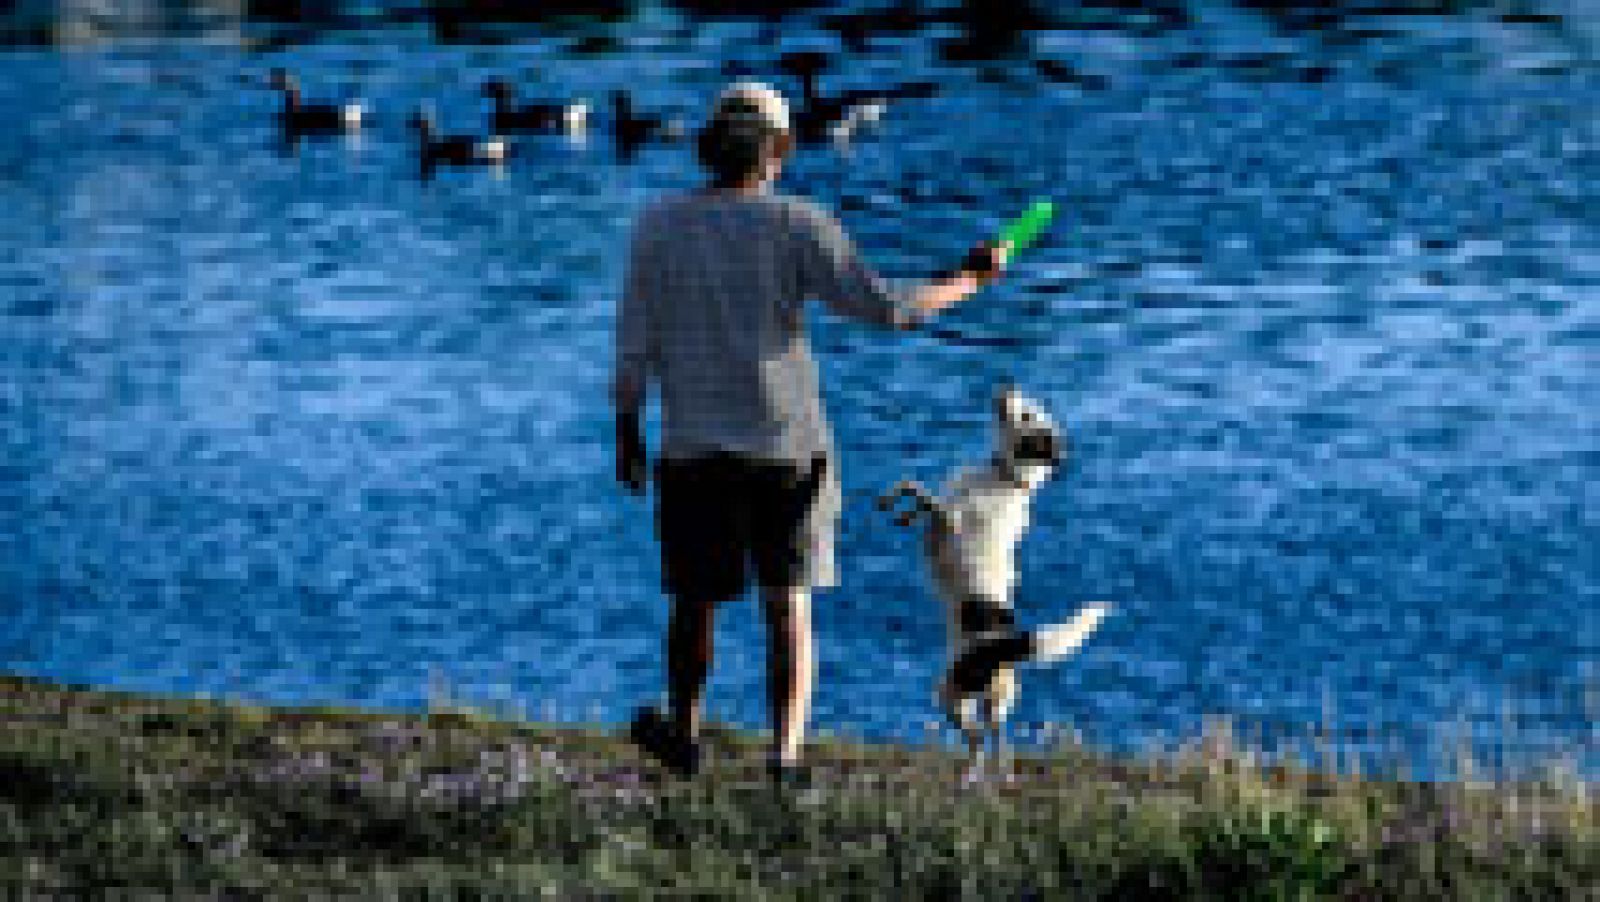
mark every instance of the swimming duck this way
{"type": "Point", "coordinates": [839, 117]}
{"type": "Point", "coordinates": [455, 150]}
{"type": "Point", "coordinates": [531, 117]}
{"type": "Point", "coordinates": [632, 129]}
{"type": "Point", "coordinates": [300, 118]}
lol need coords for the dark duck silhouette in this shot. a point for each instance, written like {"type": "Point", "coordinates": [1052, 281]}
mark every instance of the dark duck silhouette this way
{"type": "Point", "coordinates": [297, 117]}
{"type": "Point", "coordinates": [632, 129]}
{"type": "Point", "coordinates": [434, 149]}
{"type": "Point", "coordinates": [839, 117]}
{"type": "Point", "coordinates": [509, 116]}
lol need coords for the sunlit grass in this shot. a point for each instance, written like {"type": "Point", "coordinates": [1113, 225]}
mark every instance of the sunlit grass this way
{"type": "Point", "coordinates": [104, 789]}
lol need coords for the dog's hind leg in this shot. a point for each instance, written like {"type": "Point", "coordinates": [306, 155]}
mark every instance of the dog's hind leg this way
{"type": "Point", "coordinates": [965, 715]}
{"type": "Point", "coordinates": [998, 700]}
{"type": "Point", "coordinates": [977, 752]}
{"type": "Point", "coordinates": [992, 734]}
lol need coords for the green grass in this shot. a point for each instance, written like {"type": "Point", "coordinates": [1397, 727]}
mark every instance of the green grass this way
{"type": "Point", "coordinates": [106, 790]}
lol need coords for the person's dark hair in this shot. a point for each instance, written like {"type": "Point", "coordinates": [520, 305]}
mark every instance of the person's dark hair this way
{"type": "Point", "coordinates": [734, 143]}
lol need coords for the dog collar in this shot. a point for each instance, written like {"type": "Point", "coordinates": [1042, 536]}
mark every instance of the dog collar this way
{"type": "Point", "coordinates": [1008, 473]}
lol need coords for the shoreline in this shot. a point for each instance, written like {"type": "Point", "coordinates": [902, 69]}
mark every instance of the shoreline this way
{"type": "Point", "coordinates": [118, 789]}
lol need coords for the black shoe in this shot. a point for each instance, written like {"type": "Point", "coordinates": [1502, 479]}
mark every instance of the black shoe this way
{"type": "Point", "coordinates": [662, 741]}
{"type": "Point", "coordinates": [790, 777]}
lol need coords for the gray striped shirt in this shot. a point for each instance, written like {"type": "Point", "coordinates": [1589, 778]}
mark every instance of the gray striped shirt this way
{"type": "Point", "coordinates": [712, 312]}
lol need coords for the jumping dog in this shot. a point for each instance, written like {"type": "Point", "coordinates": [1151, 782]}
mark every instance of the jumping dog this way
{"type": "Point", "coordinates": [970, 536]}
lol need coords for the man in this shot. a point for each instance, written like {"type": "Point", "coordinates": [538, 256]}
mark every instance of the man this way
{"type": "Point", "coordinates": [712, 314]}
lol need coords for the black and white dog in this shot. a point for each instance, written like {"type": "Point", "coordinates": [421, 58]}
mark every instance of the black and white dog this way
{"type": "Point", "coordinates": [971, 533]}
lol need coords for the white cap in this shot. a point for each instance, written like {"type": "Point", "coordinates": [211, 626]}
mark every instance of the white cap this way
{"type": "Point", "coordinates": [752, 101]}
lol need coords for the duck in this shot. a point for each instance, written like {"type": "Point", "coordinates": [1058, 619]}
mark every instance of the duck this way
{"type": "Point", "coordinates": [632, 129]}
{"type": "Point", "coordinates": [508, 116]}
{"type": "Point", "coordinates": [850, 120]}
{"type": "Point", "coordinates": [840, 117]}
{"type": "Point", "coordinates": [435, 149]}
{"type": "Point", "coordinates": [300, 118]}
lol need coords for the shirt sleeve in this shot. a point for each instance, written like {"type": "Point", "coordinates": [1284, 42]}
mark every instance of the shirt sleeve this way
{"type": "Point", "coordinates": [636, 341]}
{"type": "Point", "coordinates": [833, 272]}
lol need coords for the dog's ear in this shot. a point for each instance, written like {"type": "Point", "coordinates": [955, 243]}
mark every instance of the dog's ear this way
{"type": "Point", "coordinates": [1005, 395]}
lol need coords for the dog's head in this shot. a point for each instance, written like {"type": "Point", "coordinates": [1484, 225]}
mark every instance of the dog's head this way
{"type": "Point", "coordinates": [1030, 444]}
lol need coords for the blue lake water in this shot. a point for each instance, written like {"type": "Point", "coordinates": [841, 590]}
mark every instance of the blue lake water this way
{"type": "Point", "coordinates": [1320, 320]}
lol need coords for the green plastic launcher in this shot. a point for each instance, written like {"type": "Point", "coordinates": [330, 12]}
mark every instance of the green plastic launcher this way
{"type": "Point", "coordinates": [1026, 229]}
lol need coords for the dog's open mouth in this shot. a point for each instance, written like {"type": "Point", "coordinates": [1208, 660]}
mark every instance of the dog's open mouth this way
{"type": "Point", "coordinates": [1036, 447]}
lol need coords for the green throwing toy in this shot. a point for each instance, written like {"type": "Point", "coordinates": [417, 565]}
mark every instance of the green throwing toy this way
{"type": "Point", "coordinates": [1027, 228]}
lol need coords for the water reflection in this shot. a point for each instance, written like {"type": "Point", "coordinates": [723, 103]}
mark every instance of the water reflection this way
{"type": "Point", "coordinates": [968, 30]}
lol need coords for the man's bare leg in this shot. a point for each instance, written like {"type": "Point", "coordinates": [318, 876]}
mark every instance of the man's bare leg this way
{"type": "Point", "coordinates": [791, 668]}
{"type": "Point", "coordinates": [689, 637]}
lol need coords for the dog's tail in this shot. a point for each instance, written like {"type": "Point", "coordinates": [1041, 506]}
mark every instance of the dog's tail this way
{"type": "Point", "coordinates": [1052, 643]}
{"type": "Point", "coordinates": [976, 666]}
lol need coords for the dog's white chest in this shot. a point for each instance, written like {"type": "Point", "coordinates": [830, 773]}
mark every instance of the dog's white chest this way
{"type": "Point", "coordinates": [978, 555]}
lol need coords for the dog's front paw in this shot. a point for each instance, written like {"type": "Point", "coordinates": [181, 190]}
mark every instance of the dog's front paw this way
{"type": "Point", "coordinates": [894, 493]}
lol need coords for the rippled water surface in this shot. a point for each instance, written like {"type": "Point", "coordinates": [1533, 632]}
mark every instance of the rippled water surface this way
{"type": "Point", "coordinates": [1320, 319]}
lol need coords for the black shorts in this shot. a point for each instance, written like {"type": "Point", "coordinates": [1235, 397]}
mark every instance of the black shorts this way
{"type": "Point", "coordinates": [720, 516]}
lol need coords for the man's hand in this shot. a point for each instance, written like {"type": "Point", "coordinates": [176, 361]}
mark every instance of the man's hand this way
{"type": "Point", "coordinates": [986, 261]}
{"type": "Point", "coordinates": [632, 464]}
{"type": "Point", "coordinates": [982, 265]}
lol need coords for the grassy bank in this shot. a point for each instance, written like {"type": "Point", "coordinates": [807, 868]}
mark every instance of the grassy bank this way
{"type": "Point", "coordinates": [103, 789]}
